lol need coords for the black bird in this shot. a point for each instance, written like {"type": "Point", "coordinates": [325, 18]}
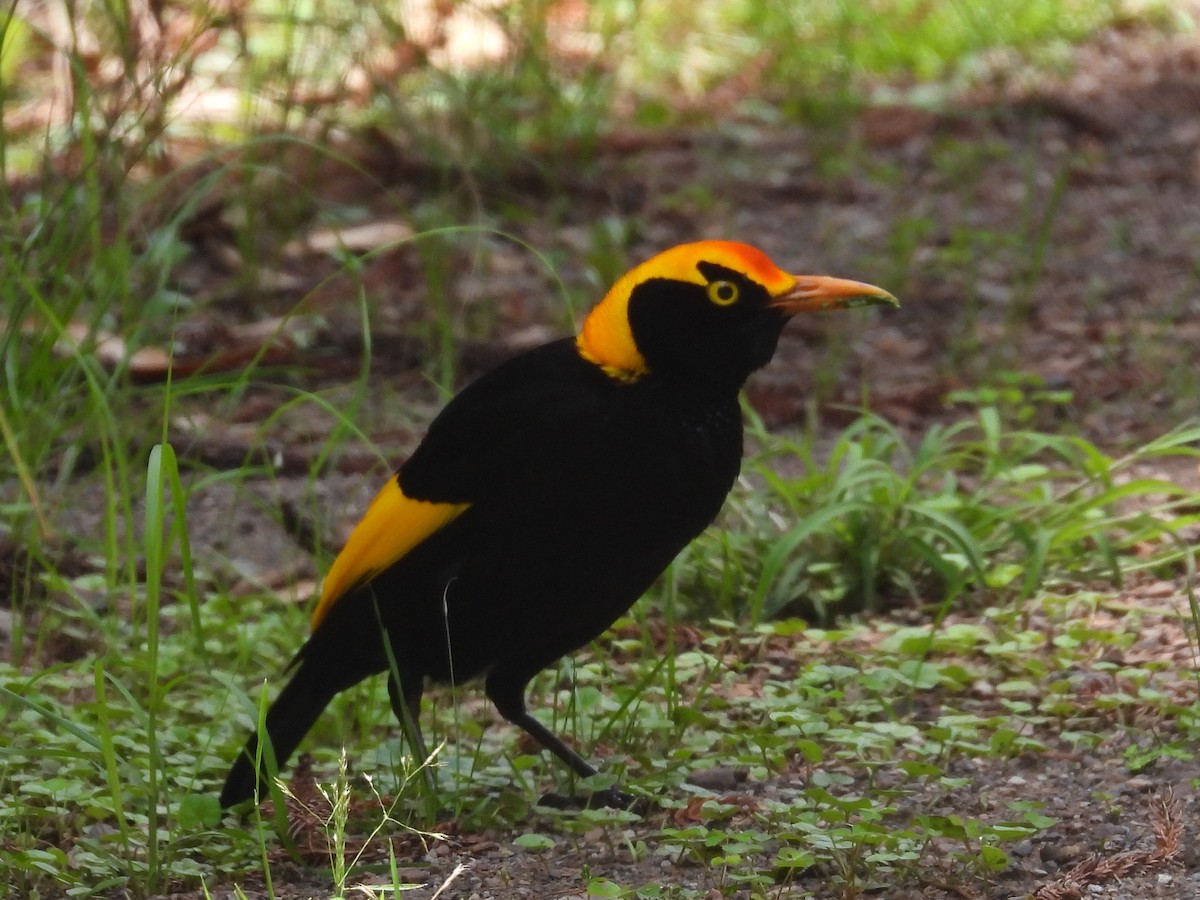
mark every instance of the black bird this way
{"type": "Point", "coordinates": [549, 494]}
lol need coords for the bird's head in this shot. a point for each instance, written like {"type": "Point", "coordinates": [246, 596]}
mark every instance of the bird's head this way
{"type": "Point", "coordinates": [710, 312]}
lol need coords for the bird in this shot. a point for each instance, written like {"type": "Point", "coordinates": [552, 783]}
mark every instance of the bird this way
{"type": "Point", "coordinates": [546, 497]}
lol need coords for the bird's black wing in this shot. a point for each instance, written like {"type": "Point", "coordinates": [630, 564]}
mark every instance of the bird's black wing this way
{"type": "Point", "coordinates": [508, 424]}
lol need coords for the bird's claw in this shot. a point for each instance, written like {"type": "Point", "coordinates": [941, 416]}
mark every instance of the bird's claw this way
{"type": "Point", "coordinates": [557, 801]}
{"type": "Point", "coordinates": [612, 798]}
{"type": "Point", "coordinates": [609, 797]}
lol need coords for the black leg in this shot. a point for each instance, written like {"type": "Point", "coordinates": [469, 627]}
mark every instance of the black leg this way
{"type": "Point", "coordinates": [405, 687]}
{"type": "Point", "coordinates": [406, 704]}
{"type": "Point", "coordinates": [404, 692]}
{"type": "Point", "coordinates": [508, 694]}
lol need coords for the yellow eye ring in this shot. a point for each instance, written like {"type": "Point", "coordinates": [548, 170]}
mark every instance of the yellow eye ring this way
{"type": "Point", "coordinates": [723, 293]}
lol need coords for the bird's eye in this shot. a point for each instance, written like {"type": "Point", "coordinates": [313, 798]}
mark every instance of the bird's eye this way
{"type": "Point", "coordinates": [723, 293]}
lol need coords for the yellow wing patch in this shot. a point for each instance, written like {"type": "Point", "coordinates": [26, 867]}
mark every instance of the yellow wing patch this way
{"type": "Point", "coordinates": [391, 527]}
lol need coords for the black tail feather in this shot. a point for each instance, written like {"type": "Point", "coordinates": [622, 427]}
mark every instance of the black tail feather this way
{"type": "Point", "coordinates": [289, 719]}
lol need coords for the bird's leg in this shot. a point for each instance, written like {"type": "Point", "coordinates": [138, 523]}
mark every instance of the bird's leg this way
{"type": "Point", "coordinates": [405, 698]}
{"type": "Point", "coordinates": [404, 692]}
{"type": "Point", "coordinates": [508, 695]}
{"type": "Point", "coordinates": [406, 704]}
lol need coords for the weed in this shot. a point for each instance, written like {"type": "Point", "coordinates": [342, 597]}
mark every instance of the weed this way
{"type": "Point", "coordinates": [973, 509]}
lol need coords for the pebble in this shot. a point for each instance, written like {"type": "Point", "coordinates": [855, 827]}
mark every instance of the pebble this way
{"type": "Point", "coordinates": [1063, 853]}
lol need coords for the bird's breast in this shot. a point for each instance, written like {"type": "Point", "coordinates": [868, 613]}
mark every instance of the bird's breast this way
{"type": "Point", "coordinates": [671, 466]}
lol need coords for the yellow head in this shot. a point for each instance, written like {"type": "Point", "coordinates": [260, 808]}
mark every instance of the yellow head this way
{"type": "Point", "coordinates": [706, 299]}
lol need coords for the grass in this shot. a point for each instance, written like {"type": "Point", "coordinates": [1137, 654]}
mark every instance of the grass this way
{"type": "Point", "coordinates": [829, 706]}
{"type": "Point", "coordinates": [978, 508]}
{"type": "Point", "coordinates": [134, 649]}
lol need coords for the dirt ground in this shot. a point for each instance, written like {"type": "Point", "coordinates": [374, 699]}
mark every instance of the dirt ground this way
{"type": "Point", "coordinates": [1052, 231]}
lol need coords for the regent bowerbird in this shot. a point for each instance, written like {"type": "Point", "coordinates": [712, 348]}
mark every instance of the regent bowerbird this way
{"type": "Point", "coordinates": [547, 496]}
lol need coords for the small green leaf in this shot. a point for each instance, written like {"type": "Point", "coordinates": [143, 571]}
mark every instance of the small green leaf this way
{"type": "Point", "coordinates": [535, 843]}
{"type": "Point", "coordinates": [198, 811]}
{"type": "Point", "coordinates": [602, 887]}
{"type": "Point", "coordinates": [995, 859]}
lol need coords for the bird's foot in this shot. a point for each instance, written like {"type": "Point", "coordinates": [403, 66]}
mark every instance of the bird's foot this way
{"type": "Point", "coordinates": [609, 797]}
{"type": "Point", "coordinates": [554, 800]}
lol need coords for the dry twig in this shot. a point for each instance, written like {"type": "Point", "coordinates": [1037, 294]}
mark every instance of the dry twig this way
{"type": "Point", "coordinates": [1166, 821]}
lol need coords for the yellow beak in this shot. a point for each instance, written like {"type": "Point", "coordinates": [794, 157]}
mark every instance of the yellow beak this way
{"type": "Point", "coordinates": [815, 292]}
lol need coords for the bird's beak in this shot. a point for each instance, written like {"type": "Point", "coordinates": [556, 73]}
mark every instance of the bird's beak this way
{"type": "Point", "coordinates": [815, 292]}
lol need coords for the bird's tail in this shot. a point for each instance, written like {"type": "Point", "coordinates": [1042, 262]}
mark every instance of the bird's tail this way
{"type": "Point", "coordinates": [289, 718]}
